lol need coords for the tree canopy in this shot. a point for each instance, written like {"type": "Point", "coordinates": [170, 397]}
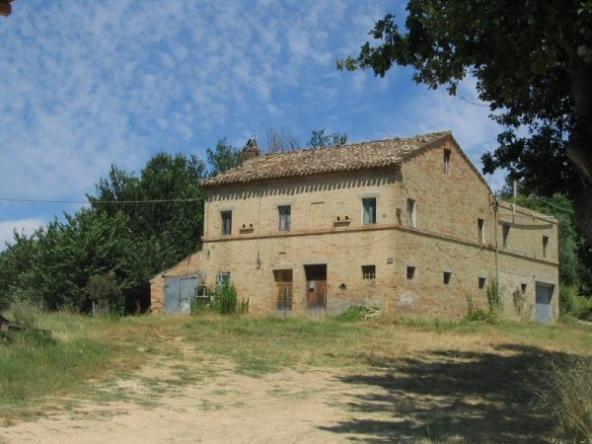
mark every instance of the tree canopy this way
{"type": "Point", "coordinates": [136, 226]}
{"type": "Point", "coordinates": [533, 65]}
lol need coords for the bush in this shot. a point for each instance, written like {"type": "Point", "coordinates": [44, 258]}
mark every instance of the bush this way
{"type": "Point", "coordinates": [569, 396]}
{"type": "Point", "coordinates": [572, 304]}
{"type": "Point", "coordinates": [222, 300]}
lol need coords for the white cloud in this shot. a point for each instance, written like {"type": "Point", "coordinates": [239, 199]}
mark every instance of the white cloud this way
{"type": "Point", "coordinates": [23, 227]}
{"type": "Point", "coordinates": [89, 84]}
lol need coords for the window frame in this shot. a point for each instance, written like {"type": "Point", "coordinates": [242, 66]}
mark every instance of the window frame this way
{"type": "Point", "coordinates": [411, 212]}
{"type": "Point", "coordinates": [285, 217]}
{"type": "Point", "coordinates": [447, 277]}
{"type": "Point", "coordinates": [369, 217]}
{"type": "Point", "coordinates": [226, 222]}
{"type": "Point", "coordinates": [222, 279]}
{"type": "Point", "coordinates": [545, 245]}
{"type": "Point", "coordinates": [447, 156]}
{"type": "Point", "coordinates": [368, 272]}
{"type": "Point", "coordinates": [482, 282]}
{"type": "Point", "coordinates": [481, 230]}
{"type": "Point", "coordinates": [505, 235]}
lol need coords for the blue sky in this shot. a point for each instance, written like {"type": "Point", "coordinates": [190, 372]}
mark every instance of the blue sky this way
{"type": "Point", "coordinates": [88, 84]}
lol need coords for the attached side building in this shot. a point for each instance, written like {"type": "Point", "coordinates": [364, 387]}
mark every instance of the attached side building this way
{"type": "Point", "coordinates": [406, 224]}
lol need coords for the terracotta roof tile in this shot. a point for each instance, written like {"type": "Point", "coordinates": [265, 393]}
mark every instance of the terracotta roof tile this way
{"type": "Point", "coordinates": [356, 156]}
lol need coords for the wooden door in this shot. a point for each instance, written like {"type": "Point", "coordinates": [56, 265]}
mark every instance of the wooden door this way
{"type": "Point", "coordinates": [283, 292]}
{"type": "Point", "coordinates": [316, 289]}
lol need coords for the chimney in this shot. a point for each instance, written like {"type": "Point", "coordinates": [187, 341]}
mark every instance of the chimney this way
{"type": "Point", "coordinates": [251, 150]}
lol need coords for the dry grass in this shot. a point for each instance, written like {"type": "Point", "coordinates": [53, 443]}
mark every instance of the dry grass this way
{"type": "Point", "coordinates": [444, 382]}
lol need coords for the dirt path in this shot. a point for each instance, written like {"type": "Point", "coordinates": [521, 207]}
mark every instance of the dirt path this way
{"type": "Point", "coordinates": [199, 400]}
{"type": "Point", "coordinates": [441, 394]}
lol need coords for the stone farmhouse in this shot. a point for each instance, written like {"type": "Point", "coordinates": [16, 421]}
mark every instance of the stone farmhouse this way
{"type": "Point", "coordinates": [408, 225]}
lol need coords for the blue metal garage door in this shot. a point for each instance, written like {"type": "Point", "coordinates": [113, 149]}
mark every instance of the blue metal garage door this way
{"type": "Point", "coordinates": [179, 292]}
{"type": "Point", "coordinates": [544, 294]}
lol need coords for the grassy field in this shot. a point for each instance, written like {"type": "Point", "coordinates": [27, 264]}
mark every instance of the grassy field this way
{"type": "Point", "coordinates": [460, 382]}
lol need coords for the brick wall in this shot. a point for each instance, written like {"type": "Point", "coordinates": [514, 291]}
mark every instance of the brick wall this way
{"type": "Point", "coordinates": [444, 239]}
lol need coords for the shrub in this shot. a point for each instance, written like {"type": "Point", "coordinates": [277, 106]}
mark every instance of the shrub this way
{"type": "Point", "coordinates": [105, 292]}
{"type": "Point", "coordinates": [223, 300]}
{"type": "Point", "coordinates": [572, 304]}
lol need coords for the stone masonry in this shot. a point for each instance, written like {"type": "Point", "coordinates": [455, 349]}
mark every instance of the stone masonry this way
{"type": "Point", "coordinates": [408, 225]}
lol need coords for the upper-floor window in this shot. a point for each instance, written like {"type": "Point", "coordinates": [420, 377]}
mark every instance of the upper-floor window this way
{"type": "Point", "coordinates": [226, 217]}
{"type": "Point", "coordinates": [369, 207]}
{"type": "Point", "coordinates": [285, 214]}
{"type": "Point", "coordinates": [411, 212]}
{"type": "Point", "coordinates": [505, 235]}
{"type": "Point", "coordinates": [481, 228]}
{"type": "Point", "coordinates": [545, 245]}
{"type": "Point", "coordinates": [447, 161]}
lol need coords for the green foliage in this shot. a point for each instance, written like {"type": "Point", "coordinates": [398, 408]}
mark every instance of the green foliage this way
{"type": "Point", "coordinates": [542, 101]}
{"type": "Point", "coordinates": [519, 300]}
{"type": "Point", "coordinates": [105, 292]}
{"type": "Point", "coordinates": [136, 226]}
{"type": "Point", "coordinates": [222, 300]}
{"type": "Point", "coordinates": [35, 365]}
{"type": "Point", "coordinates": [572, 304]}
{"type": "Point", "coordinates": [25, 314]}
{"type": "Point", "coordinates": [357, 313]}
{"type": "Point", "coordinates": [319, 139]}
{"type": "Point", "coordinates": [495, 292]}
{"type": "Point", "coordinates": [223, 158]}
{"type": "Point", "coordinates": [489, 317]}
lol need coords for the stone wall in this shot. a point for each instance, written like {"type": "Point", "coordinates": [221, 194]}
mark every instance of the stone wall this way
{"type": "Point", "coordinates": [453, 254]}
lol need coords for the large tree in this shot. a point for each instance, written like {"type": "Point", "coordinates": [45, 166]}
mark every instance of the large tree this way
{"type": "Point", "coordinates": [533, 65]}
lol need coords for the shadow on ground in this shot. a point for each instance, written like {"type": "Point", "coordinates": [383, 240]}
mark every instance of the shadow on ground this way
{"type": "Point", "coordinates": [455, 397]}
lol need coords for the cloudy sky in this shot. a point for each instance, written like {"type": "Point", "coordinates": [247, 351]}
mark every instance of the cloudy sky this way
{"type": "Point", "coordinates": [87, 84]}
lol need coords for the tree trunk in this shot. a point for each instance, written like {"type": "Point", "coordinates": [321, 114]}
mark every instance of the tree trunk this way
{"type": "Point", "coordinates": [579, 149]}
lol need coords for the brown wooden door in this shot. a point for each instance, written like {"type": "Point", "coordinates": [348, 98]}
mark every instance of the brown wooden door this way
{"type": "Point", "coordinates": [316, 289]}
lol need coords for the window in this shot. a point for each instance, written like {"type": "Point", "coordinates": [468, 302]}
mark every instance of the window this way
{"type": "Point", "coordinates": [545, 245]}
{"type": "Point", "coordinates": [447, 161]}
{"type": "Point", "coordinates": [505, 235]}
{"type": "Point", "coordinates": [481, 228]}
{"type": "Point", "coordinates": [369, 207]}
{"type": "Point", "coordinates": [368, 271]}
{"type": "Point", "coordinates": [285, 212]}
{"type": "Point", "coordinates": [447, 277]}
{"type": "Point", "coordinates": [226, 222]}
{"type": "Point", "coordinates": [410, 273]}
{"type": "Point", "coordinates": [222, 279]}
{"type": "Point", "coordinates": [482, 281]}
{"type": "Point", "coordinates": [411, 212]}
{"type": "Point", "coordinates": [523, 288]}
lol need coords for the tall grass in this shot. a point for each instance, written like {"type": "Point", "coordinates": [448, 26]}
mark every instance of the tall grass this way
{"type": "Point", "coordinates": [34, 367]}
{"type": "Point", "coordinates": [568, 395]}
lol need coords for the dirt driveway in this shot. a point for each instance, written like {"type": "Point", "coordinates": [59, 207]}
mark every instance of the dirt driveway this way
{"type": "Point", "coordinates": [200, 400]}
{"type": "Point", "coordinates": [447, 394]}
